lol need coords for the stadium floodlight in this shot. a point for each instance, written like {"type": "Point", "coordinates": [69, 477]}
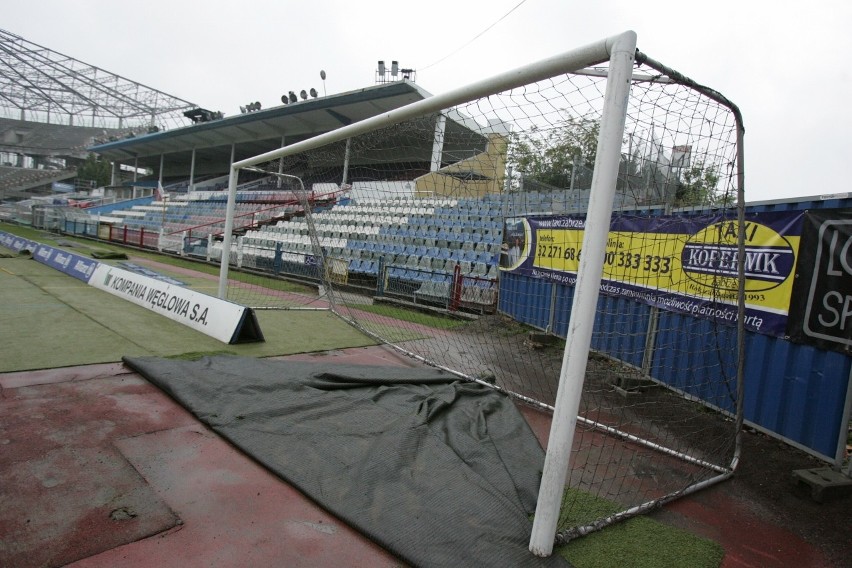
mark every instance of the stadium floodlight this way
{"type": "Point", "coordinates": [322, 76]}
{"type": "Point", "coordinates": [303, 94]}
{"type": "Point", "coordinates": [381, 68]}
{"type": "Point", "coordinates": [394, 68]}
{"type": "Point", "coordinates": [293, 97]}
{"type": "Point", "coordinates": [313, 92]}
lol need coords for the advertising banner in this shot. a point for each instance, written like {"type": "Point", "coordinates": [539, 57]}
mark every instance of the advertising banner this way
{"type": "Point", "coordinates": [821, 306]}
{"type": "Point", "coordinates": [80, 267]}
{"type": "Point", "coordinates": [223, 320]}
{"type": "Point", "coordinates": [677, 263]}
{"type": "Point", "coordinates": [17, 243]}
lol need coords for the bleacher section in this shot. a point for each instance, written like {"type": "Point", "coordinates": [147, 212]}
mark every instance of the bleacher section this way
{"type": "Point", "coordinates": [436, 251]}
{"type": "Point", "coordinates": [44, 138]}
{"type": "Point", "coordinates": [14, 181]}
{"type": "Point", "coordinates": [184, 221]}
{"type": "Point", "coordinates": [420, 246]}
{"type": "Point", "coordinates": [423, 250]}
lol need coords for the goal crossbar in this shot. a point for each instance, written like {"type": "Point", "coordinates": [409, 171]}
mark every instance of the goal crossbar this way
{"type": "Point", "coordinates": [579, 58]}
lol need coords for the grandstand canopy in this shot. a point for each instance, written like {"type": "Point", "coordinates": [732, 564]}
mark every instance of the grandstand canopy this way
{"type": "Point", "coordinates": [41, 85]}
{"type": "Point", "coordinates": [253, 133]}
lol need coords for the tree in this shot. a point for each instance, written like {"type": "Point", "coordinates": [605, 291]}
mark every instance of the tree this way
{"type": "Point", "coordinates": [552, 156]}
{"type": "Point", "coordinates": [698, 184]}
{"type": "Point", "coordinates": [549, 155]}
{"type": "Point", "coordinates": [95, 169]}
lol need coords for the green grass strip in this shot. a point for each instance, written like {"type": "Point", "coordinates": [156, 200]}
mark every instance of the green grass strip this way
{"type": "Point", "coordinates": [107, 250]}
{"type": "Point", "coordinates": [639, 542]}
{"type": "Point", "coordinates": [413, 316]}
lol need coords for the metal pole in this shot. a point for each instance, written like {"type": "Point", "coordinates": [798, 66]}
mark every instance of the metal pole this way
{"type": "Point", "coordinates": [192, 170]}
{"type": "Point", "coordinates": [229, 228]}
{"type": "Point", "coordinates": [438, 142]}
{"type": "Point", "coordinates": [574, 165]}
{"type": "Point", "coordinates": [587, 290]}
{"type": "Point", "coordinates": [280, 165]}
{"type": "Point", "coordinates": [842, 437]}
{"type": "Point", "coordinates": [346, 162]}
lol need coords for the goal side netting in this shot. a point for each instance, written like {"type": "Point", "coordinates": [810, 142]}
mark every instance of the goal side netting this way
{"type": "Point", "coordinates": [569, 232]}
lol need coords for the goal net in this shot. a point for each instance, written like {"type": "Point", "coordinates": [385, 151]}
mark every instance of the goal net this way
{"type": "Point", "coordinates": [567, 233]}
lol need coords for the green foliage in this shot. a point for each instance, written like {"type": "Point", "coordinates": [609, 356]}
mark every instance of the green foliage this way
{"type": "Point", "coordinates": [550, 156]}
{"type": "Point", "coordinates": [698, 185]}
{"type": "Point", "coordinates": [569, 148]}
{"type": "Point", "coordinates": [95, 169]}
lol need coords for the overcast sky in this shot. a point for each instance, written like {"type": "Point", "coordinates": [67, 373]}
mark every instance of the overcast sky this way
{"type": "Point", "coordinates": [784, 63]}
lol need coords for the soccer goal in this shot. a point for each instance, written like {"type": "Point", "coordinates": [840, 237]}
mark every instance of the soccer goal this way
{"type": "Point", "coordinates": [570, 232]}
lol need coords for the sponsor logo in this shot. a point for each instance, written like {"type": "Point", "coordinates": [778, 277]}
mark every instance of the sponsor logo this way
{"type": "Point", "coordinates": [829, 306]}
{"type": "Point", "coordinates": [710, 257]}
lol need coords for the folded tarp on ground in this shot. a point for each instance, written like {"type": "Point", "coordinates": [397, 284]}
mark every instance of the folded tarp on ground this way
{"type": "Point", "coordinates": [439, 471]}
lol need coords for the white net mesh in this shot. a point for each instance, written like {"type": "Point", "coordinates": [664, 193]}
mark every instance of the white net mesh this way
{"type": "Point", "coordinates": [456, 237]}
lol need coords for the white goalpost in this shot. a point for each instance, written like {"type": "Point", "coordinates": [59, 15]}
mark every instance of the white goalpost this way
{"type": "Point", "coordinates": [589, 276]}
{"type": "Point", "coordinates": [531, 232]}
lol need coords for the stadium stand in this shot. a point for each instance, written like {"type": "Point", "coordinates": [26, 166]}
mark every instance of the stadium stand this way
{"type": "Point", "coordinates": [419, 245]}
{"type": "Point", "coordinates": [435, 251]}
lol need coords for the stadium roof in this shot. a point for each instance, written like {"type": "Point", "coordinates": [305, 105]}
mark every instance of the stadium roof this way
{"type": "Point", "coordinates": [261, 131]}
{"type": "Point", "coordinates": [42, 85]}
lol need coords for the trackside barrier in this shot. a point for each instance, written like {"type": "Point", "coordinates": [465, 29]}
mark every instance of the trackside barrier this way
{"type": "Point", "coordinates": [223, 320]}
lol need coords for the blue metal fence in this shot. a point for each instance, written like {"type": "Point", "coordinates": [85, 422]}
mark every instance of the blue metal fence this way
{"type": "Point", "coordinates": [796, 392]}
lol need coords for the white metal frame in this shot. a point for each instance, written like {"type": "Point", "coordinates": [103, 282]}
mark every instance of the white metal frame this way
{"type": "Point", "coordinates": [589, 273]}
{"type": "Point", "coordinates": [568, 62]}
{"type": "Point", "coordinates": [619, 51]}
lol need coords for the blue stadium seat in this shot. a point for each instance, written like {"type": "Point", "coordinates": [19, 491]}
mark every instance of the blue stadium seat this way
{"type": "Point", "coordinates": [370, 267]}
{"type": "Point", "coordinates": [486, 257]}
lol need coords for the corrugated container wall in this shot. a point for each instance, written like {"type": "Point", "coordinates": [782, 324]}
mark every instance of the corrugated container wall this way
{"type": "Point", "coordinates": [795, 392]}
